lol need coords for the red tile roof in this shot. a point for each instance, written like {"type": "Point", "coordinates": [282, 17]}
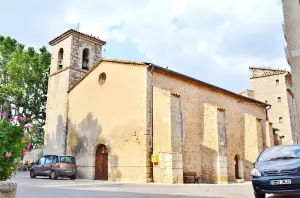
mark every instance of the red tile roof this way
{"type": "Point", "coordinates": [176, 74]}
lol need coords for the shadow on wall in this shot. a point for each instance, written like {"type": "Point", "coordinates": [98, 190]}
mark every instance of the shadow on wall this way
{"type": "Point", "coordinates": [83, 138]}
{"type": "Point", "coordinates": [55, 144]}
{"type": "Point", "coordinates": [83, 141]}
{"type": "Point", "coordinates": [208, 172]}
{"type": "Point", "coordinates": [113, 160]}
{"type": "Point", "coordinates": [192, 154]}
{"type": "Point", "coordinates": [247, 171]}
{"type": "Point", "coordinates": [236, 148]}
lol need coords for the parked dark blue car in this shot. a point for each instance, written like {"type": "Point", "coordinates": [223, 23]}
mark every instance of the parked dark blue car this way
{"type": "Point", "coordinates": [277, 171]}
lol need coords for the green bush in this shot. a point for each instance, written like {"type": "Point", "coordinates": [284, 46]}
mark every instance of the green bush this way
{"type": "Point", "coordinates": [16, 138]}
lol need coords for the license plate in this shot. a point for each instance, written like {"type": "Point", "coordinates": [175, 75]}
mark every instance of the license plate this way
{"type": "Point", "coordinates": [280, 182]}
{"type": "Point", "coordinates": [68, 171]}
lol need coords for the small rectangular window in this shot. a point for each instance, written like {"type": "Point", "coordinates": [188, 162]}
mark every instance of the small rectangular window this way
{"type": "Point", "coordinates": [277, 81]}
{"type": "Point", "coordinates": [280, 119]}
{"type": "Point", "coordinates": [279, 99]}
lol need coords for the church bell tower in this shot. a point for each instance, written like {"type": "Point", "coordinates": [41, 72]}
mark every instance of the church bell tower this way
{"type": "Point", "coordinates": [73, 55]}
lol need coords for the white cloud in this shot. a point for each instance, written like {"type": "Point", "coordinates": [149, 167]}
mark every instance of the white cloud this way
{"type": "Point", "coordinates": [201, 38]}
{"type": "Point", "coordinates": [117, 35]}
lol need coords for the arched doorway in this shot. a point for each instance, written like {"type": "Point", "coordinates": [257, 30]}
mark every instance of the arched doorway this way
{"type": "Point", "coordinates": [237, 171]}
{"type": "Point", "coordinates": [101, 163]}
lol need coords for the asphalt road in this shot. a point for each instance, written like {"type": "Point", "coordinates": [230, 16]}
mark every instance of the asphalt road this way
{"type": "Point", "coordinates": [41, 187]}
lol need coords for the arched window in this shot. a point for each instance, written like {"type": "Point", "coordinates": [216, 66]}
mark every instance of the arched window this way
{"type": "Point", "coordinates": [85, 58]}
{"type": "Point", "coordinates": [102, 78]}
{"type": "Point", "coordinates": [60, 58]}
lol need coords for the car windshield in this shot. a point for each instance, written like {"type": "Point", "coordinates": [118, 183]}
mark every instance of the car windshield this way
{"type": "Point", "coordinates": [67, 159]}
{"type": "Point", "coordinates": [277, 153]}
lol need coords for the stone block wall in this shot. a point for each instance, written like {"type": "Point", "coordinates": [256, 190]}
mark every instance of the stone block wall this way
{"type": "Point", "coordinates": [75, 75]}
{"type": "Point", "coordinates": [261, 135]}
{"type": "Point", "coordinates": [269, 135]}
{"type": "Point", "coordinates": [253, 142]}
{"type": "Point", "coordinates": [214, 161]}
{"type": "Point", "coordinates": [78, 45]}
{"type": "Point", "coordinates": [193, 98]}
{"type": "Point", "coordinates": [167, 137]}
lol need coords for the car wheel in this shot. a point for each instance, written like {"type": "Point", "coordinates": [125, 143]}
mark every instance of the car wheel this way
{"type": "Point", "coordinates": [73, 177]}
{"type": "Point", "coordinates": [53, 175]}
{"type": "Point", "coordinates": [32, 174]}
{"type": "Point", "coordinates": [260, 195]}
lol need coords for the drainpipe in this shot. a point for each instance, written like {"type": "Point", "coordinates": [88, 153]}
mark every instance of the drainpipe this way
{"type": "Point", "coordinates": [151, 123]}
{"type": "Point", "coordinates": [267, 117]}
{"type": "Point", "coordinates": [66, 128]}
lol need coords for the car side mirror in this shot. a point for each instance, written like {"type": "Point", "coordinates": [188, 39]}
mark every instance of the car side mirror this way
{"type": "Point", "coordinates": [37, 163]}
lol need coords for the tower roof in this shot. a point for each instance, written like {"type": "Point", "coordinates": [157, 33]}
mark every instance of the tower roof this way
{"type": "Point", "coordinates": [70, 32]}
{"type": "Point", "coordinates": [258, 72]}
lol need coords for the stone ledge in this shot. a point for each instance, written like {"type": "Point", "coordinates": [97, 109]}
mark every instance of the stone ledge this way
{"type": "Point", "coordinates": [8, 189]}
{"type": "Point", "coordinates": [7, 186]}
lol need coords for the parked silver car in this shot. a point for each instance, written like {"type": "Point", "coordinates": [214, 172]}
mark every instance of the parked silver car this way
{"type": "Point", "coordinates": [55, 166]}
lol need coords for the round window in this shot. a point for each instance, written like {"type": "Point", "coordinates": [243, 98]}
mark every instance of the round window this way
{"type": "Point", "coordinates": [102, 78]}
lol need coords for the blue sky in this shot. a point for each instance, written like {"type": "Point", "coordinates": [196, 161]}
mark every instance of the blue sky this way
{"type": "Point", "coordinates": [212, 40]}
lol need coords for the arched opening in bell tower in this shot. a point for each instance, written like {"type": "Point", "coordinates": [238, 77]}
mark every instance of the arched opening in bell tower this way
{"type": "Point", "coordinates": [60, 58]}
{"type": "Point", "coordinates": [85, 58]}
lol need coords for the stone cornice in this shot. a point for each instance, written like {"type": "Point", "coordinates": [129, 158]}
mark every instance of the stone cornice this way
{"type": "Point", "coordinates": [66, 68]}
{"type": "Point", "coordinates": [59, 71]}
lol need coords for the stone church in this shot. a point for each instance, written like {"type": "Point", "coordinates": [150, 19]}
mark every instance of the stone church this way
{"type": "Point", "coordinates": [136, 121]}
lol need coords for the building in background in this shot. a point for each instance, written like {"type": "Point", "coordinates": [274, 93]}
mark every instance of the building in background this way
{"type": "Point", "coordinates": [274, 87]}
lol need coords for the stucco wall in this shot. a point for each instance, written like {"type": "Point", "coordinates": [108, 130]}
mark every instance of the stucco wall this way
{"type": "Point", "coordinates": [193, 97]}
{"type": "Point", "coordinates": [56, 107]}
{"type": "Point", "coordinates": [66, 45]}
{"type": "Point", "coordinates": [113, 114]}
{"type": "Point", "coordinates": [56, 111]}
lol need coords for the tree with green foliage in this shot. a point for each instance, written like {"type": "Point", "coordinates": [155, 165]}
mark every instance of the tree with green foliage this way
{"type": "Point", "coordinates": [24, 81]}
